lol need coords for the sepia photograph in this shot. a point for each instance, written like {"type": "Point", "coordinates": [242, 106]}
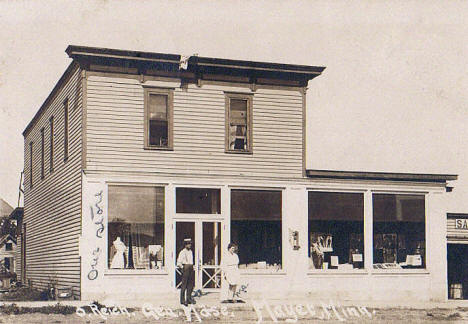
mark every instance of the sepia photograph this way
{"type": "Point", "coordinates": [233, 161]}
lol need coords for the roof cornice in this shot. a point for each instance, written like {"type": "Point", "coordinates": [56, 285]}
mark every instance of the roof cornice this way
{"type": "Point", "coordinates": [195, 64]}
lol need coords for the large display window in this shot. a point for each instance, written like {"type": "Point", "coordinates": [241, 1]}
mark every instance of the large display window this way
{"type": "Point", "coordinates": [336, 230]}
{"type": "Point", "coordinates": [136, 227]}
{"type": "Point", "coordinates": [256, 228]}
{"type": "Point", "coordinates": [399, 231]}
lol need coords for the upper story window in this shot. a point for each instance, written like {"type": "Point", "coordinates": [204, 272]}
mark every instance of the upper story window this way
{"type": "Point", "coordinates": [42, 153]}
{"type": "Point", "coordinates": [51, 144]}
{"type": "Point", "coordinates": [30, 164]}
{"type": "Point", "coordinates": [238, 122]}
{"type": "Point", "coordinates": [158, 118]}
{"type": "Point", "coordinates": [9, 246]}
{"type": "Point", "coordinates": [65, 129]}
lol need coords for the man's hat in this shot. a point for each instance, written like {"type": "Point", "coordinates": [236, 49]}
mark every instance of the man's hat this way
{"type": "Point", "coordinates": [187, 241]}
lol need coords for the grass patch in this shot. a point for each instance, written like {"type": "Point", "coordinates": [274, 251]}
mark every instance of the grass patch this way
{"type": "Point", "coordinates": [23, 294]}
{"type": "Point", "coordinates": [53, 309]}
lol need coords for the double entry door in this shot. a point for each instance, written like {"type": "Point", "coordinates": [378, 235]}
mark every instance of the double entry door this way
{"type": "Point", "coordinates": [206, 249]}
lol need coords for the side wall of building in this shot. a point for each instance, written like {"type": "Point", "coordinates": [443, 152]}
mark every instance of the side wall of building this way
{"type": "Point", "coordinates": [115, 130]}
{"type": "Point", "coordinates": [52, 206]}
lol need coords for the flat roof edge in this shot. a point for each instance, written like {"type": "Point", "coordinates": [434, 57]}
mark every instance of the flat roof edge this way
{"type": "Point", "coordinates": [387, 176]}
{"type": "Point", "coordinates": [195, 61]}
{"type": "Point", "coordinates": [457, 215]}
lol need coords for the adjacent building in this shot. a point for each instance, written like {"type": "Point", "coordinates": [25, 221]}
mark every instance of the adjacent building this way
{"type": "Point", "coordinates": [133, 151]}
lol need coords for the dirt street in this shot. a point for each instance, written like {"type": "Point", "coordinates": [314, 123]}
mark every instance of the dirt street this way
{"type": "Point", "coordinates": [247, 315]}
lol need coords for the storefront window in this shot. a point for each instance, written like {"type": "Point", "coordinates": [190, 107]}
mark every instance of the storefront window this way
{"type": "Point", "coordinates": [256, 228]}
{"type": "Point", "coordinates": [399, 231]}
{"type": "Point", "coordinates": [198, 201]}
{"type": "Point", "coordinates": [136, 227]}
{"type": "Point", "coordinates": [336, 227]}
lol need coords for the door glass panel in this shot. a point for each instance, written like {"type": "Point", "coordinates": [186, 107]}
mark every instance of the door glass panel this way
{"type": "Point", "coordinates": [183, 230]}
{"type": "Point", "coordinates": [211, 243]}
{"type": "Point", "coordinates": [211, 256]}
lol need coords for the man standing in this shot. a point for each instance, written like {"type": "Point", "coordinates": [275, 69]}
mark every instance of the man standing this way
{"type": "Point", "coordinates": [185, 262]}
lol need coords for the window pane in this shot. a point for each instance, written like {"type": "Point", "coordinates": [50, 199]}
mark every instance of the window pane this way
{"type": "Point", "coordinates": [30, 164]}
{"type": "Point", "coordinates": [42, 152]}
{"type": "Point", "coordinates": [158, 133]}
{"type": "Point", "coordinates": [158, 121]}
{"type": "Point", "coordinates": [256, 227]}
{"type": "Point", "coordinates": [65, 129]}
{"type": "Point", "coordinates": [399, 231]}
{"type": "Point", "coordinates": [238, 112]}
{"type": "Point", "coordinates": [136, 227]}
{"type": "Point", "coordinates": [158, 107]}
{"type": "Point", "coordinates": [198, 201]}
{"type": "Point", "coordinates": [336, 227]}
{"type": "Point", "coordinates": [51, 144]}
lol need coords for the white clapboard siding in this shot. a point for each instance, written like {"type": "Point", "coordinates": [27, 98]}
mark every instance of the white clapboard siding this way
{"type": "Point", "coordinates": [52, 207]}
{"type": "Point", "coordinates": [115, 132]}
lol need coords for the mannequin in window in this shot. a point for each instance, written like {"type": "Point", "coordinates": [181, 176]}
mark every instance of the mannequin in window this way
{"type": "Point", "coordinates": [118, 259]}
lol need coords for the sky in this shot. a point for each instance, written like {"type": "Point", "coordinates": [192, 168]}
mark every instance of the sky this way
{"type": "Point", "coordinates": [393, 97]}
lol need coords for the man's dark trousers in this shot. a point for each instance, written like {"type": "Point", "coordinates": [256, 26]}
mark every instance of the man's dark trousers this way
{"type": "Point", "coordinates": [188, 281]}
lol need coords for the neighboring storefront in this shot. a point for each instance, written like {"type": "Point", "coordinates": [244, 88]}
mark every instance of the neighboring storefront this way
{"type": "Point", "coordinates": [457, 255]}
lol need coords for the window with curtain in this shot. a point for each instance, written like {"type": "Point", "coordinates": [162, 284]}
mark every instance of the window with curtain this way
{"type": "Point", "coordinates": [238, 123]}
{"type": "Point", "coordinates": [256, 228]}
{"type": "Point", "coordinates": [136, 227]}
{"type": "Point", "coordinates": [399, 231]}
{"type": "Point", "coordinates": [336, 230]}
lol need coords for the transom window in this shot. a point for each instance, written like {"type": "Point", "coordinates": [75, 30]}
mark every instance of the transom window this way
{"type": "Point", "coordinates": [238, 122]}
{"type": "Point", "coordinates": [198, 201]}
{"type": "Point", "coordinates": [158, 118]}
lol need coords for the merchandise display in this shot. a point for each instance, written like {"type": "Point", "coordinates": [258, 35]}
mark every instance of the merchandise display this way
{"type": "Point", "coordinates": [323, 251]}
{"type": "Point", "coordinates": [400, 249]}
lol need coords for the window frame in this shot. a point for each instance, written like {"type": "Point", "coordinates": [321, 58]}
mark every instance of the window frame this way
{"type": "Point", "coordinates": [51, 144]}
{"type": "Point", "coordinates": [169, 92]}
{"type": "Point", "coordinates": [423, 269]}
{"type": "Point", "coordinates": [42, 153]}
{"type": "Point", "coordinates": [340, 191]}
{"type": "Point", "coordinates": [65, 129]}
{"type": "Point", "coordinates": [281, 270]}
{"type": "Point", "coordinates": [108, 271]}
{"type": "Point", "coordinates": [249, 98]}
{"type": "Point", "coordinates": [31, 151]}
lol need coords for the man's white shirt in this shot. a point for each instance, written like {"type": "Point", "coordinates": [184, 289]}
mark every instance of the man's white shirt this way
{"type": "Point", "coordinates": [185, 257]}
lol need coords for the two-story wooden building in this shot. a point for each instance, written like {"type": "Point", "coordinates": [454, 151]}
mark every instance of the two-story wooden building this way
{"type": "Point", "coordinates": [134, 151]}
